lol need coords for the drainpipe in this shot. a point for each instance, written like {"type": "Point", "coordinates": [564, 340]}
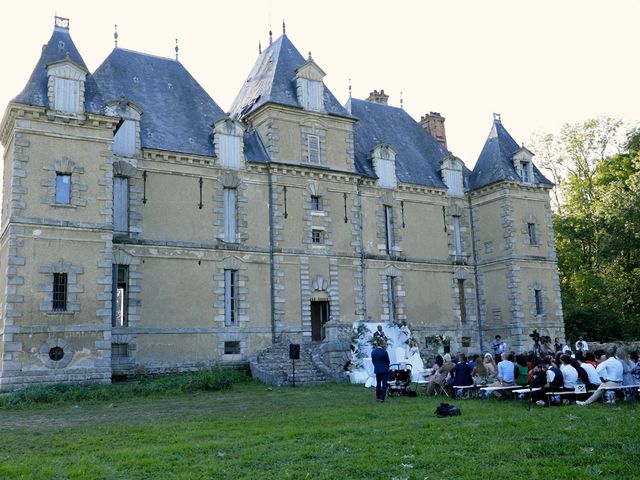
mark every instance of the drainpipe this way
{"type": "Point", "coordinates": [475, 272]}
{"type": "Point", "coordinates": [272, 270]}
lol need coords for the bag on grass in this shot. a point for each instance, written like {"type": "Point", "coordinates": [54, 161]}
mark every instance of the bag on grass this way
{"type": "Point", "coordinates": [447, 410]}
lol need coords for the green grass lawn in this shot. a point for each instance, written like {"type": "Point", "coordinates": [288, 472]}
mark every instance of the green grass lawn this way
{"type": "Point", "coordinates": [334, 431]}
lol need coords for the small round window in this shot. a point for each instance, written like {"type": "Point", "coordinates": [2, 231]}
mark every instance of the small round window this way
{"type": "Point", "coordinates": [56, 353]}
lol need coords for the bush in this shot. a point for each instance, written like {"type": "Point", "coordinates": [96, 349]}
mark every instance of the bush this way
{"type": "Point", "coordinates": [206, 379]}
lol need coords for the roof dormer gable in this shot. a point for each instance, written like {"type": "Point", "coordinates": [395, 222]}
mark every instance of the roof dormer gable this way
{"type": "Point", "coordinates": [384, 163]}
{"type": "Point", "coordinates": [126, 138]}
{"type": "Point", "coordinates": [65, 86]}
{"type": "Point", "coordinates": [228, 142]}
{"type": "Point", "coordinates": [310, 86]}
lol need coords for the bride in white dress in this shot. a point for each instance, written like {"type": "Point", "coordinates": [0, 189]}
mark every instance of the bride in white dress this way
{"type": "Point", "coordinates": [417, 365]}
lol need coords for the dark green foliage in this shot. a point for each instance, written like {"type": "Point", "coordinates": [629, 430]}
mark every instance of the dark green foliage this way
{"type": "Point", "coordinates": [207, 379]}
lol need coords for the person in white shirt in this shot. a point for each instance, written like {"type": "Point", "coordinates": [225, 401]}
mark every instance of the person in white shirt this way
{"type": "Point", "coordinates": [569, 373]}
{"type": "Point", "coordinates": [581, 344]}
{"type": "Point", "coordinates": [610, 371]}
{"type": "Point", "coordinates": [594, 379]}
{"type": "Point", "coordinates": [506, 371]}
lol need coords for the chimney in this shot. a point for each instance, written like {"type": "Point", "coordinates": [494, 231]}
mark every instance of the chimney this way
{"type": "Point", "coordinates": [434, 124]}
{"type": "Point", "coordinates": [378, 97]}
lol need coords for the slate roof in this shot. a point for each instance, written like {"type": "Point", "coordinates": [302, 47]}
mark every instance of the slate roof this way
{"type": "Point", "coordinates": [418, 154]}
{"type": "Point", "coordinates": [272, 79]}
{"type": "Point", "coordinates": [177, 111]}
{"type": "Point", "coordinates": [59, 47]}
{"type": "Point", "coordinates": [495, 163]}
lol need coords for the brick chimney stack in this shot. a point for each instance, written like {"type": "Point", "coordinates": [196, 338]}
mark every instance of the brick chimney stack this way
{"type": "Point", "coordinates": [378, 97]}
{"type": "Point", "coordinates": [434, 124]}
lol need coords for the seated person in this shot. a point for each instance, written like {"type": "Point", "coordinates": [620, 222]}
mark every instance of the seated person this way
{"type": "Point", "coordinates": [521, 372]}
{"type": "Point", "coordinates": [441, 376]}
{"type": "Point", "coordinates": [461, 373]}
{"type": "Point", "coordinates": [569, 373]}
{"type": "Point", "coordinates": [479, 372]}
{"type": "Point", "coordinates": [506, 371]}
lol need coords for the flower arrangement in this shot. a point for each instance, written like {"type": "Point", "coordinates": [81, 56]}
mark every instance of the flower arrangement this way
{"type": "Point", "coordinates": [437, 340]}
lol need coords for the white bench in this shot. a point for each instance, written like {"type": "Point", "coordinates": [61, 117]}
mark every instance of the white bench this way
{"type": "Point", "coordinates": [471, 391]}
{"type": "Point", "coordinates": [525, 391]}
{"type": "Point", "coordinates": [618, 387]}
{"type": "Point", "coordinates": [562, 393]}
{"type": "Point", "coordinates": [502, 388]}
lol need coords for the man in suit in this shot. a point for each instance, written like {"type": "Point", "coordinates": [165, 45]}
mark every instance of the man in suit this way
{"type": "Point", "coordinates": [381, 362]}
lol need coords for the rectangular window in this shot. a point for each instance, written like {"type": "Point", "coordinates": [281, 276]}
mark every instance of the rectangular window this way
{"type": "Point", "coordinates": [312, 94]}
{"type": "Point", "coordinates": [313, 149]}
{"type": "Point", "coordinates": [386, 173]}
{"type": "Point", "coordinates": [120, 350]}
{"type": "Point", "coordinates": [59, 292]}
{"type": "Point", "coordinates": [391, 297]}
{"type": "Point", "coordinates": [120, 297]}
{"type": "Point", "coordinates": [63, 188]}
{"type": "Point", "coordinates": [230, 151]}
{"type": "Point", "coordinates": [457, 239]}
{"type": "Point", "coordinates": [462, 301]}
{"type": "Point", "coordinates": [317, 236]}
{"type": "Point", "coordinates": [121, 204]}
{"type": "Point", "coordinates": [316, 203]}
{"type": "Point", "coordinates": [232, 348]}
{"type": "Point", "coordinates": [388, 228]}
{"type": "Point", "coordinates": [67, 95]}
{"type": "Point", "coordinates": [538, 297]}
{"type": "Point", "coordinates": [230, 209]}
{"type": "Point", "coordinates": [124, 141]}
{"type": "Point", "coordinates": [230, 297]}
{"type": "Point", "coordinates": [531, 230]}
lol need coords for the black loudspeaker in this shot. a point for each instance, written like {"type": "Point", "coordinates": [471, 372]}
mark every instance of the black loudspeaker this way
{"type": "Point", "coordinates": [294, 351]}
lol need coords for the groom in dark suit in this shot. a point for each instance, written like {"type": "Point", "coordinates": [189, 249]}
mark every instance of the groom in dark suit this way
{"type": "Point", "coordinates": [380, 360]}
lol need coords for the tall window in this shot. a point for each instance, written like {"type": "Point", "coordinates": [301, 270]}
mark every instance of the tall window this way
{"type": "Point", "coordinates": [121, 204]}
{"type": "Point", "coordinates": [230, 297]}
{"type": "Point", "coordinates": [391, 297]}
{"type": "Point", "coordinates": [316, 203]}
{"type": "Point", "coordinates": [67, 95]}
{"type": "Point", "coordinates": [120, 303]}
{"type": "Point", "coordinates": [63, 188]}
{"type": "Point", "coordinates": [538, 298]}
{"type": "Point", "coordinates": [531, 231]}
{"type": "Point", "coordinates": [124, 141]}
{"type": "Point", "coordinates": [457, 239]}
{"type": "Point", "coordinates": [230, 208]}
{"type": "Point", "coordinates": [388, 228]}
{"type": "Point", "coordinates": [312, 93]}
{"type": "Point", "coordinates": [385, 169]}
{"type": "Point", "coordinates": [59, 292]}
{"type": "Point", "coordinates": [462, 301]}
{"type": "Point", "coordinates": [313, 149]}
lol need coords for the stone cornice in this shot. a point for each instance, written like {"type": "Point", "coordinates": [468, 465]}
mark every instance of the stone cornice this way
{"type": "Point", "coordinates": [510, 184]}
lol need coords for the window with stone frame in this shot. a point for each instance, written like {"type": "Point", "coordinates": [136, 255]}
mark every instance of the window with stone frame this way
{"type": "Point", "coordinates": [313, 149]}
{"type": "Point", "coordinates": [121, 204]}
{"type": "Point", "coordinates": [230, 214]}
{"type": "Point", "coordinates": [120, 296]}
{"type": "Point", "coordinates": [462, 301]}
{"type": "Point", "coordinates": [63, 188]}
{"type": "Point", "coordinates": [317, 236]}
{"type": "Point", "coordinates": [391, 298]}
{"type": "Point", "coordinates": [457, 237]}
{"type": "Point", "coordinates": [231, 298]}
{"type": "Point", "coordinates": [60, 285]}
{"type": "Point", "coordinates": [531, 233]}
{"type": "Point", "coordinates": [388, 229]}
{"type": "Point", "coordinates": [67, 95]}
{"type": "Point", "coordinates": [384, 164]}
{"type": "Point", "coordinates": [316, 203]}
{"type": "Point", "coordinates": [537, 294]}
{"type": "Point", "coordinates": [232, 348]}
{"type": "Point", "coordinates": [124, 141]}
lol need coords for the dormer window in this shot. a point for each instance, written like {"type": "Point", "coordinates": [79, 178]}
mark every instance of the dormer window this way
{"type": "Point", "coordinates": [523, 163]}
{"type": "Point", "coordinates": [228, 142]}
{"type": "Point", "coordinates": [309, 86]}
{"type": "Point", "coordinates": [124, 141]}
{"type": "Point", "coordinates": [451, 172]}
{"type": "Point", "coordinates": [66, 86]}
{"type": "Point", "coordinates": [384, 163]}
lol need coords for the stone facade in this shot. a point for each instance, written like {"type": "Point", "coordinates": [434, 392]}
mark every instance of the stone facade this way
{"type": "Point", "coordinates": [318, 246]}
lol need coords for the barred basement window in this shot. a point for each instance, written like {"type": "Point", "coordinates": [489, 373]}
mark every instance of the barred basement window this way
{"type": "Point", "coordinates": [316, 236]}
{"type": "Point", "coordinates": [120, 350]}
{"type": "Point", "coordinates": [232, 348]}
{"type": "Point", "coordinates": [59, 292]}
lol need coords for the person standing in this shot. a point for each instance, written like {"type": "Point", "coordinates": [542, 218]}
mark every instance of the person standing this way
{"type": "Point", "coordinates": [582, 345]}
{"type": "Point", "coordinates": [499, 347]}
{"type": "Point", "coordinates": [379, 335]}
{"type": "Point", "coordinates": [381, 362]}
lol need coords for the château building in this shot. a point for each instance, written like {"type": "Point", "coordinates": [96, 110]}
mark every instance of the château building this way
{"type": "Point", "coordinates": [145, 230]}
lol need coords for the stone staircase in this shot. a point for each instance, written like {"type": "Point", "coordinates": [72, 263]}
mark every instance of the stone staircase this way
{"type": "Point", "coordinates": [274, 367]}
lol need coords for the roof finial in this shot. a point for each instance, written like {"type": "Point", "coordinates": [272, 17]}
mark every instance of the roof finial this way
{"type": "Point", "coordinates": [497, 118]}
{"type": "Point", "coordinates": [177, 49]}
{"type": "Point", "coordinates": [61, 22]}
{"type": "Point", "coordinates": [284, 28]}
{"type": "Point", "coordinates": [401, 101]}
{"type": "Point", "coordinates": [115, 35]}
{"type": "Point", "coordinates": [270, 37]}
{"type": "Point", "coordinates": [259, 47]}
{"type": "Point", "coordinates": [310, 59]}
{"type": "Point", "coordinates": [349, 88]}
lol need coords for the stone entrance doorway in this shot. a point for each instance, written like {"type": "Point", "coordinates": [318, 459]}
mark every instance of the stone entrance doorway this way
{"type": "Point", "coordinates": [320, 311]}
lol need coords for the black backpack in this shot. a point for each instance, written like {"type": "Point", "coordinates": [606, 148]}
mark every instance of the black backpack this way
{"type": "Point", "coordinates": [446, 410]}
